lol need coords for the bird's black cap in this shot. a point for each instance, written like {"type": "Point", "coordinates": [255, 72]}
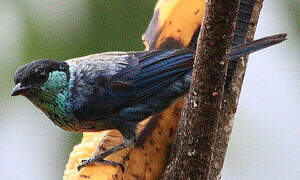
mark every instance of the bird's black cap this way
{"type": "Point", "coordinates": [33, 74]}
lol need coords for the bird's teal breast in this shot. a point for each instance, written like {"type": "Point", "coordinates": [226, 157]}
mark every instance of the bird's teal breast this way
{"type": "Point", "coordinates": [57, 82]}
{"type": "Point", "coordinates": [57, 108]}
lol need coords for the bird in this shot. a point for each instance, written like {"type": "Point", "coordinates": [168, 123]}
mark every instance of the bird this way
{"type": "Point", "coordinates": [113, 90]}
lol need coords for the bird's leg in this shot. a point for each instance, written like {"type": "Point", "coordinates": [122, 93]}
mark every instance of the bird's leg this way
{"type": "Point", "coordinates": [128, 142]}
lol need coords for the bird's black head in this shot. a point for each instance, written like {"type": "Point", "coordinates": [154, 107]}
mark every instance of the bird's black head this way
{"type": "Point", "coordinates": [30, 77]}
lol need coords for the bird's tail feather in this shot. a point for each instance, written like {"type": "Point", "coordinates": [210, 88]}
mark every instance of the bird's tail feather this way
{"type": "Point", "coordinates": [247, 48]}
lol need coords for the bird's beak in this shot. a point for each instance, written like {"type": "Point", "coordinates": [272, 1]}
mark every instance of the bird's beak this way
{"type": "Point", "coordinates": [19, 90]}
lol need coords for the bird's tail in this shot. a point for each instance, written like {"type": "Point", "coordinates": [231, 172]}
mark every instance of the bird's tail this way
{"type": "Point", "coordinates": [247, 48]}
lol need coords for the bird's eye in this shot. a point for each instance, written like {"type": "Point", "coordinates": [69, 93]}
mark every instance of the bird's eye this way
{"type": "Point", "coordinates": [42, 75]}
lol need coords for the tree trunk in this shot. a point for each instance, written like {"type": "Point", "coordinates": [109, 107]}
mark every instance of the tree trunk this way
{"type": "Point", "coordinates": [193, 148]}
{"type": "Point", "coordinates": [232, 92]}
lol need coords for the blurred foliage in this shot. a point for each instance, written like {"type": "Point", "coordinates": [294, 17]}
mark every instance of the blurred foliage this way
{"type": "Point", "coordinates": [106, 26]}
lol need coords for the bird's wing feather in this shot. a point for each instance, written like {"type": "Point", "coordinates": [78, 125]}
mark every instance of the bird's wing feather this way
{"type": "Point", "coordinates": [155, 70]}
{"type": "Point", "coordinates": [137, 76]}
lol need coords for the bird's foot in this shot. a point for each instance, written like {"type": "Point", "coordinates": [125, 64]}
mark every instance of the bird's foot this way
{"type": "Point", "coordinates": [99, 158]}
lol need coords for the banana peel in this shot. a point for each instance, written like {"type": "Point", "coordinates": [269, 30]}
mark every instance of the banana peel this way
{"type": "Point", "coordinates": [173, 25]}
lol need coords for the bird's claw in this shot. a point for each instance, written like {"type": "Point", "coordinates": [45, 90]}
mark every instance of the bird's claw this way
{"type": "Point", "coordinates": [115, 164]}
{"type": "Point", "coordinates": [99, 159]}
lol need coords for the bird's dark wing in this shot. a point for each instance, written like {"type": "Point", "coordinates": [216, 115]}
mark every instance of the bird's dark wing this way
{"type": "Point", "coordinates": [106, 82]}
{"type": "Point", "coordinates": [156, 70]}
{"type": "Point", "coordinates": [131, 79]}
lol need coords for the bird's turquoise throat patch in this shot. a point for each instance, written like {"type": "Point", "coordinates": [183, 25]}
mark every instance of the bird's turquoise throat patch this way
{"type": "Point", "coordinates": [56, 83]}
{"type": "Point", "coordinates": [53, 99]}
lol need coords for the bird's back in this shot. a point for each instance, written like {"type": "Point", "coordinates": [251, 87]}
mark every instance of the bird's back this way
{"type": "Point", "coordinates": [122, 87]}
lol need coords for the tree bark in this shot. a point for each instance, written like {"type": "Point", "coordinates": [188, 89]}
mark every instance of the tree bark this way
{"type": "Point", "coordinates": [231, 95]}
{"type": "Point", "coordinates": [193, 148]}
